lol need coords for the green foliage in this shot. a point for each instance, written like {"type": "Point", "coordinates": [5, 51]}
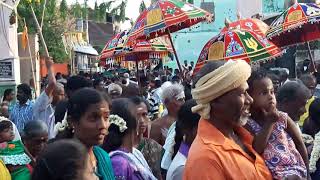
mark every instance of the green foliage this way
{"type": "Point", "coordinates": [51, 9]}
{"type": "Point", "coordinates": [99, 11]}
{"type": "Point", "coordinates": [76, 10]}
{"type": "Point", "coordinates": [85, 9]}
{"type": "Point", "coordinates": [24, 12]}
{"type": "Point", "coordinates": [120, 11]}
{"type": "Point", "coordinates": [53, 26]}
{"type": "Point", "coordinates": [142, 7]}
{"type": "Point", "coordinates": [52, 34]}
{"type": "Point", "coordinates": [63, 9]}
{"type": "Point", "coordinates": [96, 13]}
{"type": "Point", "coordinates": [103, 8]}
{"type": "Point", "coordinates": [59, 19]}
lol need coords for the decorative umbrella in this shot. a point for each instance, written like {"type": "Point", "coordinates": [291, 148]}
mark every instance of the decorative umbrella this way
{"type": "Point", "coordinates": [251, 24]}
{"type": "Point", "coordinates": [119, 49]}
{"type": "Point", "coordinates": [165, 17]}
{"type": "Point", "coordinates": [238, 44]}
{"type": "Point", "coordinates": [143, 50]}
{"type": "Point", "coordinates": [114, 46]}
{"type": "Point", "coordinates": [298, 24]}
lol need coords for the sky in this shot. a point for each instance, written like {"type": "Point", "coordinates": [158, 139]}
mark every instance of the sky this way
{"type": "Point", "coordinates": [132, 10]}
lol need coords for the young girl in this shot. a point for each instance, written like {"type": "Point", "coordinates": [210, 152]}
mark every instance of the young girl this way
{"type": "Point", "coordinates": [12, 151]}
{"type": "Point", "coordinates": [5, 135]}
{"type": "Point", "coordinates": [88, 112]}
{"type": "Point", "coordinates": [128, 162]}
{"type": "Point", "coordinates": [276, 136]}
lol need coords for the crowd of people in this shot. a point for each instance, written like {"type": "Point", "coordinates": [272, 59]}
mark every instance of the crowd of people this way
{"type": "Point", "coordinates": [227, 121]}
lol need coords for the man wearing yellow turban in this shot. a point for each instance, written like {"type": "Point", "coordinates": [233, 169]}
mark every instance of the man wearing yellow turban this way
{"type": "Point", "coordinates": [222, 148]}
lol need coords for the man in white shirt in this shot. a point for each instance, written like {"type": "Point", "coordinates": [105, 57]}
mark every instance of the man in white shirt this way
{"type": "Point", "coordinates": [44, 106]}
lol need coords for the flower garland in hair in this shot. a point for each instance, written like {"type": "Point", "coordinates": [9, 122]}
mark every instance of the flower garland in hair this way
{"type": "Point", "coordinates": [315, 153]}
{"type": "Point", "coordinates": [2, 118]}
{"type": "Point", "coordinates": [118, 121]}
{"type": "Point", "coordinates": [61, 126]}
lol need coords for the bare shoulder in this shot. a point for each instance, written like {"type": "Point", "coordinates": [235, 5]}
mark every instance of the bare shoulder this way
{"type": "Point", "coordinates": [155, 132]}
{"type": "Point", "coordinates": [158, 122]}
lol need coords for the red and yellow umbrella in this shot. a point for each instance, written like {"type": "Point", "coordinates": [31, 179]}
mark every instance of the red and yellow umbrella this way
{"type": "Point", "coordinates": [114, 46]}
{"type": "Point", "coordinates": [250, 24]}
{"type": "Point", "coordinates": [143, 50]}
{"type": "Point", "coordinates": [298, 24]}
{"type": "Point", "coordinates": [117, 49]}
{"type": "Point", "coordinates": [164, 17]}
{"type": "Point", "coordinates": [238, 44]}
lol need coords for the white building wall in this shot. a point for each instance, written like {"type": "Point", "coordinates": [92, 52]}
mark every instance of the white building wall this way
{"type": "Point", "coordinates": [8, 46]}
{"type": "Point", "coordinates": [248, 8]}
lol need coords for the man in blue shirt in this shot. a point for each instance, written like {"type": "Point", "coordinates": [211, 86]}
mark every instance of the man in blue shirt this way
{"type": "Point", "coordinates": [22, 111]}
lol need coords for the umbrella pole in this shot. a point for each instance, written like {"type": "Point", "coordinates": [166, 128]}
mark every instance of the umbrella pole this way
{"type": "Point", "coordinates": [314, 69]}
{"type": "Point", "coordinates": [138, 77]}
{"type": "Point", "coordinates": [175, 52]}
{"type": "Point", "coordinates": [40, 32]}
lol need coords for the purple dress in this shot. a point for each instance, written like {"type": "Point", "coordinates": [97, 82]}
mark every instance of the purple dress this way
{"type": "Point", "coordinates": [130, 166]}
{"type": "Point", "coordinates": [281, 155]}
{"type": "Point", "coordinates": [122, 169]}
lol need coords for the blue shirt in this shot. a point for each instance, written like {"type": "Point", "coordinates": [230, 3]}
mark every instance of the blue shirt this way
{"type": "Point", "coordinates": [21, 114]}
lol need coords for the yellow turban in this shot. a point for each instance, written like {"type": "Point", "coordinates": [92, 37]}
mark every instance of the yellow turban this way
{"type": "Point", "coordinates": [218, 82]}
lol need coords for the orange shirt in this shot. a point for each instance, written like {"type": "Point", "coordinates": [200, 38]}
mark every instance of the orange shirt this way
{"type": "Point", "coordinates": [215, 157]}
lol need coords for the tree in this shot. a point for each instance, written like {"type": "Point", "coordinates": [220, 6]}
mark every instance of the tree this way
{"type": "Point", "coordinates": [51, 8]}
{"type": "Point", "coordinates": [103, 8]}
{"type": "Point", "coordinates": [142, 6]}
{"type": "Point", "coordinates": [52, 28]}
{"type": "Point", "coordinates": [85, 9]}
{"type": "Point", "coordinates": [96, 13]}
{"type": "Point", "coordinates": [76, 10]}
{"type": "Point", "coordinates": [63, 9]}
{"type": "Point", "coordinates": [119, 12]}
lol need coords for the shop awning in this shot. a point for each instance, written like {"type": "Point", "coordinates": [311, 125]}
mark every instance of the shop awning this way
{"type": "Point", "coordinates": [85, 50]}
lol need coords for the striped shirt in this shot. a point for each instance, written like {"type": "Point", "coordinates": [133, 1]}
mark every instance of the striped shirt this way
{"type": "Point", "coordinates": [154, 102]}
{"type": "Point", "coordinates": [21, 114]}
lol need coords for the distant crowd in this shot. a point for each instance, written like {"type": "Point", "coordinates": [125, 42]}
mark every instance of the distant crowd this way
{"type": "Point", "coordinates": [226, 121]}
